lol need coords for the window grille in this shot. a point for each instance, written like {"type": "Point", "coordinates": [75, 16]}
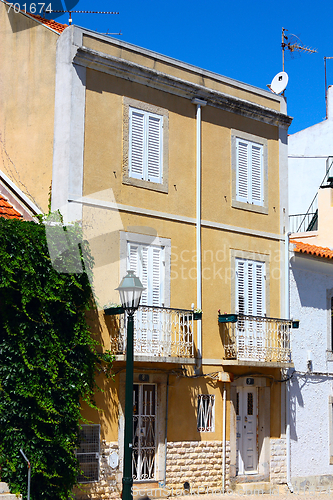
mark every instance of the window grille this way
{"type": "Point", "coordinates": [88, 453]}
{"type": "Point", "coordinates": [206, 413]}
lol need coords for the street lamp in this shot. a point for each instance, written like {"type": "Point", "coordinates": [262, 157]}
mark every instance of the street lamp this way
{"type": "Point", "coordinates": [130, 290]}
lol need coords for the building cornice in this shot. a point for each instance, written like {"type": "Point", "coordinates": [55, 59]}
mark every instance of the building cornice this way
{"type": "Point", "coordinates": [128, 70]}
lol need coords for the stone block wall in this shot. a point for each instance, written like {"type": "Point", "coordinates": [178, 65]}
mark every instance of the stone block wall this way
{"type": "Point", "coordinates": [278, 472]}
{"type": "Point", "coordinates": [197, 462]}
{"type": "Point", "coordinates": [106, 487]}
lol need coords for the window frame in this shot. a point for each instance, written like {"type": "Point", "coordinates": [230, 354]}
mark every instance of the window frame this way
{"type": "Point", "coordinates": [157, 183]}
{"type": "Point", "coordinates": [96, 452]}
{"type": "Point", "coordinates": [255, 264]}
{"type": "Point", "coordinates": [148, 240]}
{"type": "Point", "coordinates": [256, 257]}
{"type": "Point", "coordinates": [248, 202]}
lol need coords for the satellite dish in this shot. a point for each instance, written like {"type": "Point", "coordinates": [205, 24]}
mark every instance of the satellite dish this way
{"type": "Point", "coordinates": [279, 82]}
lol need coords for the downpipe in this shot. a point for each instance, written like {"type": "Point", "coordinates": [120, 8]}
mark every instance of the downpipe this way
{"type": "Point", "coordinates": [198, 103]}
{"type": "Point", "coordinates": [287, 308]}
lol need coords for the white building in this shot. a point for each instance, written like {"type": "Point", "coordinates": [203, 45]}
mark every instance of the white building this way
{"type": "Point", "coordinates": [311, 385]}
{"type": "Point", "coordinates": [310, 153]}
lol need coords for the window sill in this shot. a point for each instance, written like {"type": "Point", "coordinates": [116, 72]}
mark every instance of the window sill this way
{"type": "Point", "coordinates": [249, 207]}
{"type": "Point", "coordinates": [152, 186]}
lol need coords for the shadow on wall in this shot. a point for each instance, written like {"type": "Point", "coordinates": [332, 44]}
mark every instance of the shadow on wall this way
{"type": "Point", "coordinates": [297, 384]}
{"type": "Point", "coordinates": [305, 283]}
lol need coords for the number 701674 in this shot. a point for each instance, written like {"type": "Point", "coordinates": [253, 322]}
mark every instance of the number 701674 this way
{"type": "Point", "coordinates": [33, 8]}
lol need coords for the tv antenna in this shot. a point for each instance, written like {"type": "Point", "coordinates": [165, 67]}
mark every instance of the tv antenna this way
{"type": "Point", "coordinates": [293, 44]}
{"type": "Point", "coordinates": [70, 12]}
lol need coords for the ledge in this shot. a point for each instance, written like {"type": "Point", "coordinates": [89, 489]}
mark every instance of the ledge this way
{"type": "Point", "coordinates": [168, 83]}
{"type": "Point", "coordinates": [157, 359]}
{"type": "Point", "coordinates": [266, 364]}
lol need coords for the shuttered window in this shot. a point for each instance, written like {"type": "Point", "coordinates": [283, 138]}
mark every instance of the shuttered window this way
{"type": "Point", "coordinates": [250, 287]}
{"type": "Point", "coordinates": [145, 145]}
{"type": "Point", "coordinates": [249, 172]}
{"type": "Point", "coordinates": [147, 261]}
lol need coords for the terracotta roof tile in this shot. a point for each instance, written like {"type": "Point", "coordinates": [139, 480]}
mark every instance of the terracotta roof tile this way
{"type": "Point", "coordinates": [312, 249]}
{"type": "Point", "coordinates": [7, 210]}
{"type": "Point", "coordinates": [49, 22]}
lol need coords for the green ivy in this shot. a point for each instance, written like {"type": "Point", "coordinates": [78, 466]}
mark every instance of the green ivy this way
{"type": "Point", "coordinates": [48, 357]}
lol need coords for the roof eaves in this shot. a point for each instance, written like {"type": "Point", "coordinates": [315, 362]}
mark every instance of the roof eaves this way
{"type": "Point", "coordinates": [315, 250]}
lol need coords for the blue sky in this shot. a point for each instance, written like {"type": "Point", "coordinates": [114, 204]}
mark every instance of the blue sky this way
{"type": "Point", "coordinates": [241, 40]}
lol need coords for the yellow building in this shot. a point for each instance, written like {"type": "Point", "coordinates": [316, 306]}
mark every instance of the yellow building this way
{"type": "Point", "coordinates": [180, 175]}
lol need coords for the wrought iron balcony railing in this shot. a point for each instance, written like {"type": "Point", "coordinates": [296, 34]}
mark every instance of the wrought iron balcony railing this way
{"type": "Point", "coordinates": [158, 332]}
{"type": "Point", "coordinates": [256, 338]}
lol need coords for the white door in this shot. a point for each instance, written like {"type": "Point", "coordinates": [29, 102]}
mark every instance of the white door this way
{"type": "Point", "coordinates": [247, 431]}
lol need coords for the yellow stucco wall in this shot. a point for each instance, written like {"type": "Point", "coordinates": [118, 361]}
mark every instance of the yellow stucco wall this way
{"type": "Point", "coordinates": [103, 175]}
{"type": "Point", "coordinates": [104, 154]}
{"type": "Point", "coordinates": [27, 84]}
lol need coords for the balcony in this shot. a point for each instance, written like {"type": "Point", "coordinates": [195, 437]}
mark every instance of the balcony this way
{"type": "Point", "coordinates": [258, 340]}
{"type": "Point", "coordinates": [160, 334]}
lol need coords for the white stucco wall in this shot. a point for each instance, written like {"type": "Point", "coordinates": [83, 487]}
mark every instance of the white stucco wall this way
{"type": "Point", "coordinates": [310, 280]}
{"type": "Point", "coordinates": [308, 151]}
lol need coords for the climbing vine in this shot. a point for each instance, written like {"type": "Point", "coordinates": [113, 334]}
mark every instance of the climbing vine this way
{"type": "Point", "coordinates": [48, 356]}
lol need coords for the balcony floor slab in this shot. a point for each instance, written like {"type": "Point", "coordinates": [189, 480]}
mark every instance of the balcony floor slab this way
{"type": "Point", "coordinates": [267, 364]}
{"type": "Point", "coordinates": [158, 359]}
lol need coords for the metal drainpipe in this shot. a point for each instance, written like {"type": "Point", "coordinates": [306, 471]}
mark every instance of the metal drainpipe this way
{"type": "Point", "coordinates": [224, 436]}
{"type": "Point", "coordinates": [287, 308]}
{"type": "Point", "coordinates": [199, 103]}
{"type": "Point", "coordinates": [166, 429]}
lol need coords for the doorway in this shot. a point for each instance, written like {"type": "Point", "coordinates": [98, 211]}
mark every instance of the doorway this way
{"type": "Point", "coordinates": [144, 432]}
{"type": "Point", "coordinates": [247, 430]}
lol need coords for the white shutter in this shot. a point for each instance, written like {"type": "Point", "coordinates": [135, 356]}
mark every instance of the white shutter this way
{"type": "Point", "coordinates": [145, 145]}
{"type": "Point", "coordinates": [144, 275]}
{"type": "Point", "coordinates": [133, 258]}
{"type": "Point", "coordinates": [136, 144]}
{"type": "Point", "coordinates": [240, 286]}
{"type": "Point", "coordinates": [154, 160]}
{"type": "Point", "coordinates": [260, 289]}
{"type": "Point", "coordinates": [250, 289]}
{"type": "Point", "coordinates": [156, 278]}
{"type": "Point", "coordinates": [242, 155]}
{"type": "Point", "coordinates": [249, 172]}
{"type": "Point", "coordinates": [257, 174]}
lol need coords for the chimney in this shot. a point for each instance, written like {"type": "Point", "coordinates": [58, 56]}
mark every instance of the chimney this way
{"type": "Point", "coordinates": [330, 102]}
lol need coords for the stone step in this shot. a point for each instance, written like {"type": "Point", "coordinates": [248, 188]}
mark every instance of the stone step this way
{"type": "Point", "coordinates": [5, 493]}
{"type": "Point", "coordinates": [260, 488]}
{"type": "Point", "coordinates": [4, 488]}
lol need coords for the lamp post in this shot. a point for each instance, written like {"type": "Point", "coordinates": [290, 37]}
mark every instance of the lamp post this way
{"type": "Point", "coordinates": [130, 290]}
